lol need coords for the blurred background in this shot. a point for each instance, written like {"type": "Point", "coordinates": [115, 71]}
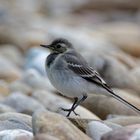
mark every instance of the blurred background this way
{"type": "Point", "coordinates": [105, 32]}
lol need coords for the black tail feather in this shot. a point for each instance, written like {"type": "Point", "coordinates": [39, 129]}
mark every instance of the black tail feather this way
{"type": "Point", "coordinates": [117, 97]}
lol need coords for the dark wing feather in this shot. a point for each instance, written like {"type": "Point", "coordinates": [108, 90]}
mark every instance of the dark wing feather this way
{"type": "Point", "coordinates": [78, 65]}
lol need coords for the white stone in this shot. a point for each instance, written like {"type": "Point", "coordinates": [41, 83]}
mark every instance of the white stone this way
{"type": "Point", "coordinates": [97, 129]}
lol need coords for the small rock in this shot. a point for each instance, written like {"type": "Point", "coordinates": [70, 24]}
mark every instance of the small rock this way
{"type": "Point", "coordinates": [26, 119]}
{"type": "Point", "coordinates": [12, 53]}
{"type": "Point", "coordinates": [136, 135]}
{"type": "Point", "coordinates": [22, 103]}
{"type": "Point", "coordinates": [16, 134]}
{"type": "Point", "coordinates": [97, 129]}
{"type": "Point", "coordinates": [33, 59]}
{"type": "Point", "coordinates": [82, 124]}
{"type": "Point", "coordinates": [126, 133]}
{"type": "Point", "coordinates": [5, 108]}
{"type": "Point", "coordinates": [113, 126]}
{"type": "Point", "coordinates": [45, 137]}
{"type": "Point", "coordinates": [136, 73]}
{"type": "Point", "coordinates": [8, 71]}
{"type": "Point", "coordinates": [14, 124]}
{"type": "Point", "coordinates": [56, 125]}
{"type": "Point", "coordinates": [126, 120]}
{"type": "Point", "coordinates": [4, 88]}
{"type": "Point", "coordinates": [125, 35]}
{"type": "Point", "coordinates": [19, 86]}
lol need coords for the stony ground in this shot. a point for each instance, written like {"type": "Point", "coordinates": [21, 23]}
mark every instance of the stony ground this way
{"type": "Point", "coordinates": [105, 32]}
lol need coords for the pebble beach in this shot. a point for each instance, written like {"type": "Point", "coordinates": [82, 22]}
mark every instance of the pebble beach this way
{"type": "Point", "coordinates": [105, 32]}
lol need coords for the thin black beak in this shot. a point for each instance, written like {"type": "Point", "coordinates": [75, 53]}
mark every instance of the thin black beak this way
{"type": "Point", "coordinates": [45, 46]}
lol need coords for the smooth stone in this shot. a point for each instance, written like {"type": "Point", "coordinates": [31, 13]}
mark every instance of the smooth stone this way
{"type": "Point", "coordinates": [53, 124]}
{"type": "Point", "coordinates": [125, 59]}
{"type": "Point", "coordinates": [136, 135]}
{"type": "Point", "coordinates": [135, 72]}
{"type": "Point", "coordinates": [22, 103]}
{"type": "Point", "coordinates": [126, 133]}
{"type": "Point", "coordinates": [29, 34]}
{"type": "Point", "coordinates": [19, 86]}
{"type": "Point", "coordinates": [54, 102]}
{"type": "Point", "coordinates": [14, 124]}
{"type": "Point", "coordinates": [9, 71]}
{"type": "Point", "coordinates": [33, 58]}
{"type": "Point", "coordinates": [112, 116]}
{"type": "Point", "coordinates": [82, 124]}
{"type": "Point", "coordinates": [16, 134]}
{"type": "Point", "coordinates": [45, 137]}
{"type": "Point", "coordinates": [4, 88]}
{"type": "Point", "coordinates": [113, 126]}
{"type": "Point", "coordinates": [12, 53]}
{"type": "Point", "coordinates": [103, 105]}
{"type": "Point", "coordinates": [97, 129]}
{"type": "Point", "coordinates": [125, 35]}
{"type": "Point", "coordinates": [127, 120]}
{"type": "Point", "coordinates": [26, 119]}
{"type": "Point", "coordinates": [5, 108]}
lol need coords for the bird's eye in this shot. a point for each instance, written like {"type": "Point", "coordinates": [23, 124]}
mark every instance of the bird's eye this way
{"type": "Point", "coordinates": [58, 46]}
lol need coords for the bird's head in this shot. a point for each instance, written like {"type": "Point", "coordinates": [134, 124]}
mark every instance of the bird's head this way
{"type": "Point", "coordinates": [59, 45]}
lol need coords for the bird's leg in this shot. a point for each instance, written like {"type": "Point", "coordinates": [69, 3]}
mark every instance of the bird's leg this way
{"type": "Point", "coordinates": [75, 104]}
{"type": "Point", "coordinates": [80, 101]}
{"type": "Point", "coordinates": [72, 108]}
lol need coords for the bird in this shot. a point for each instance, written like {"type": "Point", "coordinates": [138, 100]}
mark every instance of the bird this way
{"type": "Point", "coordinates": [72, 76]}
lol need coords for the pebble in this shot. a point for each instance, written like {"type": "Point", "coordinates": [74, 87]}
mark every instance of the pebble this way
{"type": "Point", "coordinates": [125, 35]}
{"type": "Point", "coordinates": [125, 120]}
{"type": "Point", "coordinates": [12, 53]}
{"type": "Point", "coordinates": [17, 134]}
{"type": "Point", "coordinates": [22, 103]}
{"type": "Point", "coordinates": [126, 133]}
{"type": "Point", "coordinates": [110, 42]}
{"type": "Point", "coordinates": [14, 124]}
{"type": "Point", "coordinates": [56, 125]}
{"type": "Point", "coordinates": [33, 58]}
{"type": "Point", "coordinates": [5, 108]}
{"type": "Point", "coordinates": [4, 88]}
{"type": "Point", "coordinates": [97, 129]}
{"type": "Point", "coordinates": [20, 117]}
{"type": "Point", "coordinates": [83, 124]}
{"type": "Point", "coordinates": [7, 75]}
{"type": "Point", "coordinates": [45, 137]}
{"type": "Point", "coordinates": [20, 86]}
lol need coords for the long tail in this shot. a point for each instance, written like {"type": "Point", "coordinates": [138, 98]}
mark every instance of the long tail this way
{"type": "Point", "coordinates": [120, 99]}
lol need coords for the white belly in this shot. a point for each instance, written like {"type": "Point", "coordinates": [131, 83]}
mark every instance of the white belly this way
{"type": "Point", "coordinates": [68, 85]}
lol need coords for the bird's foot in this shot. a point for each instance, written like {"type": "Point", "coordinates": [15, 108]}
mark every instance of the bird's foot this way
{"type": "Point", "coordinates": [69, 111]}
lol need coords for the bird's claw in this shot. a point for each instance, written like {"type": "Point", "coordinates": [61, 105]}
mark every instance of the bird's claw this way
{"type": "Point", "coordinates": [69, 111]}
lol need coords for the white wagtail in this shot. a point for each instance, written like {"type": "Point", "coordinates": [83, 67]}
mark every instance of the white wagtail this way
{"type": "Point", "coordinates": [71, 75]}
